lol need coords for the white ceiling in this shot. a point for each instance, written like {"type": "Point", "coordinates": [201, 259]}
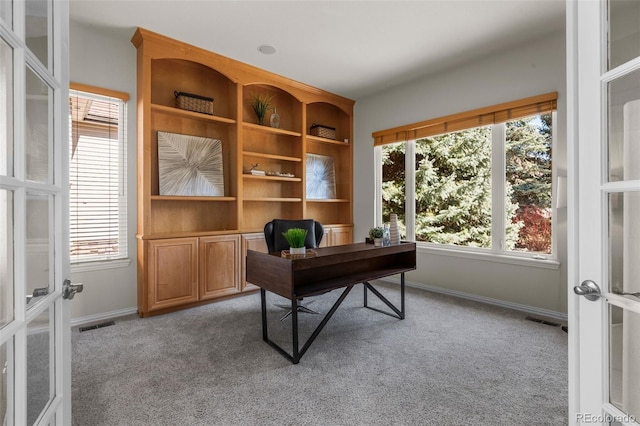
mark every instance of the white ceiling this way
{"type": "Point", "coordinates": [352, 48]}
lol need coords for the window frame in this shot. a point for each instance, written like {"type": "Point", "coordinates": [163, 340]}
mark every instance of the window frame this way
{"type": "Point", "coordinates": [101, 262]}
{"type": "Point", "coordinates": [496, 252]}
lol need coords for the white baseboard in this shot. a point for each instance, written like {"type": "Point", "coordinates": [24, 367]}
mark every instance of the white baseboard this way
{"type": "Point", "coordinates": [497, 302]}
{"type": "Point", "coordinates": [102, 317]}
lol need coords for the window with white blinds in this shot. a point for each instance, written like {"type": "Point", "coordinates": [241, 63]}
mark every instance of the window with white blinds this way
{"type": "Point", "coordinates": [97, 174]}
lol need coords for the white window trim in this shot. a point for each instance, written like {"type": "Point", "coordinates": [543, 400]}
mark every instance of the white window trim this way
{"type": "Point", "coordinates": [84, 264]}
{"type": "Point", "coordinates": [496, 253]}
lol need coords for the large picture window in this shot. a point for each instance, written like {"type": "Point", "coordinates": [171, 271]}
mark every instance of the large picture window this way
{"type": "Point", "coordinates": [480, 187]}
{"type": "Point", "coordinates": [97, 175]}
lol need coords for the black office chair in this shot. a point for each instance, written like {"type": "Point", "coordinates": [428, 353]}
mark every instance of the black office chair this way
{"type": "Point", "coordinates": [276, 242]}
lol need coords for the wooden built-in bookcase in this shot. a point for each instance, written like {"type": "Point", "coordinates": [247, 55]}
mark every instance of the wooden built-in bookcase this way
{"type": "Point", "coordinates": [191, 249]}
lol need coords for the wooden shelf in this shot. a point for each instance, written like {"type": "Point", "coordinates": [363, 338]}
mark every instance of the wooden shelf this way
{"type": "Point", "coordinates": [274, 178]}
{"type": "Point", "coordinates": [271, 156]}
{"type": "Point", "coordinates": [328, 200]}
{"type": "Point", "coordinates": [190, 114]}
{"type": "Point", "coordinates": [272, 130]}
{"type": "Point", "coordinates": [273, 200]}
{"type": "Point", "coordinates": [190, 198]}
{"type": "Point", "coordinates": [325, 140]}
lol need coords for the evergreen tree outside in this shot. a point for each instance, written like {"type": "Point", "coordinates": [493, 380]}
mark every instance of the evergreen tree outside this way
{"type": "Point", "coordinates": [394, 184]}
{"type": "Point", "coordinates": [453, 186]}
{"type": "Point", "coordinates": [529, 172]}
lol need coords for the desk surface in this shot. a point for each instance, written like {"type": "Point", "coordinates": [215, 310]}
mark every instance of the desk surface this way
{"type": "Point", "coordinates": [332, 268]}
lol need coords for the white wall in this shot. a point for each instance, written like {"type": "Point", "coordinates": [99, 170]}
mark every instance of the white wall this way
{"type": "Point", "coordinates": [529, 70]}
{"type": "Point", "coordinates": [108, 61]}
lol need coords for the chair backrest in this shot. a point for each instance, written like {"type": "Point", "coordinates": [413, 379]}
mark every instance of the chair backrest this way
{"type": "Point", "coordinates": [275, 240]}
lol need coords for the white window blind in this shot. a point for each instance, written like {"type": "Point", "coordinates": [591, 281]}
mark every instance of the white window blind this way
{"type": "Point", "coordinates": [97, 177]}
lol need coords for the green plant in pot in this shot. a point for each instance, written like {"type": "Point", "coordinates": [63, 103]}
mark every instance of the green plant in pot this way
{"type": "Point", "coordinates": [260, 104]}
{"type": "Point", "coordinates": [376, 235]}
{"type": "Point", "coordinates": [296, 238]}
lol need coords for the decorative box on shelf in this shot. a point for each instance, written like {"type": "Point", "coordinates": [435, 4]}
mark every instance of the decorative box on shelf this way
{"type": "Point", "coordinates": [323, 131]}
{"type": "Point", "coordinates": [195, 103]}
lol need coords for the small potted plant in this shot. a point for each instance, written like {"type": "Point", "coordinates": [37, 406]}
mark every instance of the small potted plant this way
{"type": "Point", "coordinates": [296, 237]}
{"type": "Point", "coordinates": [260, 104]}
{"type": "Point", "coordinates": [376, 235]}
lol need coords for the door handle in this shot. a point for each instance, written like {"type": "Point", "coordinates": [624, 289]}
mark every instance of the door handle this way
{"type": "Point", "coordinates": [69, 290]}
{"type": "Point", "coordinates": [588, 289]}
{"type": "Point", "coordinates": [37, 292]}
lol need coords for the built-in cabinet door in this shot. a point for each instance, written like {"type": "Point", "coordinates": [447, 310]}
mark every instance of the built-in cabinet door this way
{"type": "Point", "coordinates": [341, 236]}
{"type": "Point", "coordinates": [219, 266]}
{"type": "Point", "coordinates": [326, 238]}
{"type": "Point", "coordinates": [173, 272]}
{"type": "Point", "coordinates": [336, 236]}
{"type": "Point", "coordinates": [255, 242]}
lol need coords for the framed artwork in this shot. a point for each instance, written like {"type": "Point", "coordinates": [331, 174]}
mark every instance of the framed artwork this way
{"type": "Point", "coordinates": [190, 165]}
{"type": "Point", "coordinates": [321, 177]}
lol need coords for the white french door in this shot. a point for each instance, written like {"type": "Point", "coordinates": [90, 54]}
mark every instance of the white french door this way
{"type": "Point", "coordinates": [604, 144]}
{"type": "Point", "coordinates": [35, 387]}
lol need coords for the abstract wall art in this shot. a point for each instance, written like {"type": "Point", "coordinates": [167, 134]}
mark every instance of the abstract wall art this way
{"type": "Point", "coordinates": [190, 165]}
{"type": "Point", "coordinates": [321, 177]}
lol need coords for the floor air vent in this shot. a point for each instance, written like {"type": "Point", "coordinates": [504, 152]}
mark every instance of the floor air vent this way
{"type": "Point", "coordinates": [96, 326]}
{"type": "Point", "coordinates": [541, 321]}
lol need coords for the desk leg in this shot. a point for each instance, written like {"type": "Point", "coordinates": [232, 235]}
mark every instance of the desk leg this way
{"type": "Point", "coordinates": [365, 296]}
{"type": "Point", "coordinates": [399, 313]}
{"type": "Point", "coordinates": [294, 331]}
{"type": "Point", "coordinates": [402, 295]}
{"type": "Point", "coordinates": [297, 352]}
{"type": "Point", "coordinates": [263, 303]}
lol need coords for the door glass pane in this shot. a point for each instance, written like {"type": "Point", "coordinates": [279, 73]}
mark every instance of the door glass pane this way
{"type": "Point", "coordinates": [6, 109]}
{"type": "Point", "coordinates": [624, 31]}
{"type": "Point", "coordinates": [624, 127]}
{"type": "Point", "coordinates": [624, 244]}
{"type": "Point", "coordinates": [624, 368]}
{"type": "Point", "coordinates": [38, 247]}
{"type": "Point", "coordinates": [6, 257]}
{"type": "Point", "coordinates": [6, 380]}
{"type": "Point", "coordinates": [6, 13]}
{"type": "Point", "coordinates": [39, 364]}
{"type": "Point", "coordinates": [37, 129]}
{"type": "Point", "coordinates": [37, 29]}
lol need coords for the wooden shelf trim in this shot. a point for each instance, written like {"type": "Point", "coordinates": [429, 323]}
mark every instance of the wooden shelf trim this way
{"type": "Point", "coordinates": [275, 178]}
{"type": "Point", "coordinates": [276, 200]}
{"type": "Point", "coordinates": [325, 140]}
{"type": "Point", "coordinates": [191, 114]}
{"type": "Point", "coordinates": [329, 200]}
{"type": "Point", "coordinates": [267, 129]}
{"type": "Point", "coordinates": [190, 198]}
{"type": "Point", "coordinates": [271, 156]}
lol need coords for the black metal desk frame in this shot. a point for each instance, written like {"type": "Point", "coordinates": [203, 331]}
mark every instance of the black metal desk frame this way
{"type": "Point", "coordinates": [330, 268]}
{"type": "Point", "coordinates": [297, 352]}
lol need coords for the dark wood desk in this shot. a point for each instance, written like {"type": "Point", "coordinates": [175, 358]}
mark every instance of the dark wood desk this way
{"type": "Point", "coordinates": [331, 268]}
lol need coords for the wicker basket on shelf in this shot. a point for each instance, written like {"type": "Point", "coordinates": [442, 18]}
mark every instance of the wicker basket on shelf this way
{"type": "Point", "coordinates": [195, 103]}
{"type": "Point", "coordinates": [323, 131]}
